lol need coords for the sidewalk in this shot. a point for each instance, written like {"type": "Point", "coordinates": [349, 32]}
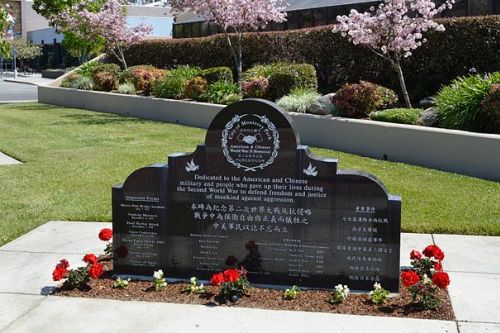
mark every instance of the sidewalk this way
{"type": "Point", "coordinates": [473, 263]}
{"type": "Point", "coordinates": [35, 79]}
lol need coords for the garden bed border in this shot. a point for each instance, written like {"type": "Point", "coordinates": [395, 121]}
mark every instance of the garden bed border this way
{"type": "Point", "coordinates": [467, 153]}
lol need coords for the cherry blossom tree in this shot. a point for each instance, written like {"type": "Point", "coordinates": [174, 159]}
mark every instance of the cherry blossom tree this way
{"type": "Point", "coordinates": [393, 30]}
{"type": "Point", "coordinates": [109, 23]}
{"type": "Point", "coordinates": [5, 21]}
{"type": "Point", "coordinates": [235, 16]}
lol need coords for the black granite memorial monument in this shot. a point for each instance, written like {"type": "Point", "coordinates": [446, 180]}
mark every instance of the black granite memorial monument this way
{"type": "Point", "coordinates": [252, 196]}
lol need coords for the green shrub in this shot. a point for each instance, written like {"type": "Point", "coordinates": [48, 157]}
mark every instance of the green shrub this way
{"type": "Point", "coordinates": [185, 72]}
{"type": "Point", "coordinates": [143, 77]}
{"type": "Point", "coordinates": [256, 87]}
{"type": "Point", "coordinates": [468, 41]}
{"type": "Point", "coordinates": [215, 74]}
{"type": "Point", "coordinates": [195, 88]}
{"type": "Point", "coordinates": [222, 92]}
{"type": "Point", "coordinates": [170, 87]}
{"type": "Point", "coordinates": [105, 67]}
{"type": "Point", "coordinates": [491, 104]}
{"type": "Point", "coordinates": [400, 116]}
{"type": "Point", "coordinates": [78, 81]}
{"type": "Point", "coordinates": [127, 88]}
{"type": "Point", "coordinates": [283, 78]}
{"type": "Point", "coordinates": [300, 100]}
{"type": "Point", "coordinates": [104, 80]}
{"type": "Point", "coordinates": [88, 68]}
{"type": "Point", "coordinates": [459, 105]}
{"type": "Point", "coordinates": [359, 100]}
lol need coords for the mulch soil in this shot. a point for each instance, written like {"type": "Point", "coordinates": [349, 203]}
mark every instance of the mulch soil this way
{"type": "Point", "coordinates": [263, 298]}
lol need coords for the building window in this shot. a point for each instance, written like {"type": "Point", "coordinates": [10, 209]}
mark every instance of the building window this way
{"type": "Point", "coordinates": [291, 22]}
{"type": "Point", "coordinates": [320, 16]}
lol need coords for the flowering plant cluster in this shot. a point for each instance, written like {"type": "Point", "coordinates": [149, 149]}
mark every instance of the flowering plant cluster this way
{"type": "Point", "coordinates": [159, 280]}
{"type": "Point", "coordinates": [235, 16]}
{"type": "Point", "coordinates": [234, 283]}
{"type": "Point", "coordinates": [340, 294]}
{"type": "Point", "coordinates": [426, 276]}
{"type": "Point", "coordinates": [105, 235]}
{"type": "Point", "coordinates": [121, 283]}
{"type": "Point", "coordinates": [79, 277]}
{"type": "Point", "coordinates": [195, 287]}
{"type": "Point", "coordinates": [109, 23]}
{"type": "Point", "coordinates": [378, 295]}
{"type": "Point", "coordinates": [392, 30]}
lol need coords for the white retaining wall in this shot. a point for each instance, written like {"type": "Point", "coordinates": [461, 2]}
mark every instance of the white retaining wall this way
{"type": "Point", "coordinates": [467, 153]}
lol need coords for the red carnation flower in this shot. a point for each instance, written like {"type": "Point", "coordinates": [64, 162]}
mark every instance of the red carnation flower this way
{"type": "Point", "coordinates": [59, 273]}
{"type": "Point", "coordinates": [90, 258]}
{"type": "Point", "coordinates": [63, 264]}
{"type": "Point", "coordinates": [231, 275]}
{"type": "Point", "coordinates": [441, 279]}
{"type": "Point", "coordinates": [409, 278]}
{"type": "Point", "coordinates": [438, 266]}
{"type": "Point", "coordinates": [414, 254]}
{"type": "Point", "coordinates": [95, 271]}
{"type": "Point", "coordinates": [105, 234]}
{"type": "Point", "coordinates": [217, 279]}
{"type": "Point", "coordinates": [434, 251]}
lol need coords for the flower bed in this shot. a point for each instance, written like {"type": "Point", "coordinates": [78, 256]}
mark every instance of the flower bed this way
{"type": "Point", "coordinates": [423, 292]}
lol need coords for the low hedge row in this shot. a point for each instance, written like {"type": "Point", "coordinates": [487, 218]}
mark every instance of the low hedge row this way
{"type": "Point", "coordinates": [468, 42]}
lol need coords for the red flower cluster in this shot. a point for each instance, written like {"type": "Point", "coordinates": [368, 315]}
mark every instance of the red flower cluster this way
{"type": "Point", "coordinates": [95, 271]}
{"type": "Point", "coordinates": [433, 251]}
{"type": "Point", "coordinates": [441, 279]}
{"type": "Point", "coordinates": [409, 278]}
{"type": "Point", "coordinates": [90, 258]}
{"type": "Point", "coordinates": [229, 275]}
{"type": "Point", "coordinates": [414, 254]}
{"type": "Point", "coordinates": [61, 270]}
{"type": "Point", "coordinates": [105, 234]}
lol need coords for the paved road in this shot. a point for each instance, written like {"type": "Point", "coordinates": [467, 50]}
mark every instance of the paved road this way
{"type": "Point", "coordinates": [10, 91]}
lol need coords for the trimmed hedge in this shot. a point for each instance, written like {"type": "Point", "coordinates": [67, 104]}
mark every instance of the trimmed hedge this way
{"type": "Point", "coordinates": [468, 42]}
{"type": "Point", "coordinates": [399, 116]}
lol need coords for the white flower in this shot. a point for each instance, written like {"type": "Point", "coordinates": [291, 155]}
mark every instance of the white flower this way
{"type": "Point", "coordinates": [377, 286]}
{"type": "Point", "coordinates": [194, 280]}
{"type": "Point", "coordinates": [158, 274]}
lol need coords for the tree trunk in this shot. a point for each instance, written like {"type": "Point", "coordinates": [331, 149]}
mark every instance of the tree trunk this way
{"type": "Point", "coordinates": [401, 78]}
{"type": "Point", "coordinates": [236, 57]}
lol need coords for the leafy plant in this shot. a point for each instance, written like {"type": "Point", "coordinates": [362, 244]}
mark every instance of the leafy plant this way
{"type": "Point", "coordinates": [284, 77]}
{"type": "Point", "coordinates": [256, 87]}
{"type": "Point", "coordinates": [292, 293]}
{"type": "Point", "coordinates": [340, 294]}
{"type": "Point", "coordinates": [143, 77]}
{"type": "Point", "coordinates": [378, 295]}
{"type": "Point", "coordinates": [359, 100]}
{"type": "Point", "coordinates": [126, 88]}
{"type": "Point", "coordinates": [88, 68]}
{"type": "Point", "coordinates": [195, 88]}
{"type": "Point", "coordinates": [79, 277]}
{"type": "Point", "coordinates": [159, 280]}
{"type": "Point", "coordinates": [194, 287]}
{"type": "Point", "coordinates": [400, 116]}
{"type": "Point", "coordinates": [215, 74]}
{"type": "Point", "coordinates": [120, 283]}
{"type": "Point", "coordinates": [186, 72]}
{"type": "Point", "coordinates": [222, 92]}
{"type": "Point", "coordinates": [459, 104]}
{"type": "Point", "coordinates": [300, 100]}
{"type": "Point", "coordinates": [105, 76]}
{"type": "Point", "coordinates": [77, 81]}
{"type": "Point", "coordinates": [169, 87]}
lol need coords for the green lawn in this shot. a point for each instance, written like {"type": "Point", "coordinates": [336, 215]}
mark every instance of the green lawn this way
{"type": "Point", "coordinates": [73, 157]}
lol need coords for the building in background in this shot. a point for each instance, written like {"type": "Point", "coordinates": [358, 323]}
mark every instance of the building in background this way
{"type": "Point", "coordinates": [310, 13]}
{"type": "Point", "coordinates": [35, 28]}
